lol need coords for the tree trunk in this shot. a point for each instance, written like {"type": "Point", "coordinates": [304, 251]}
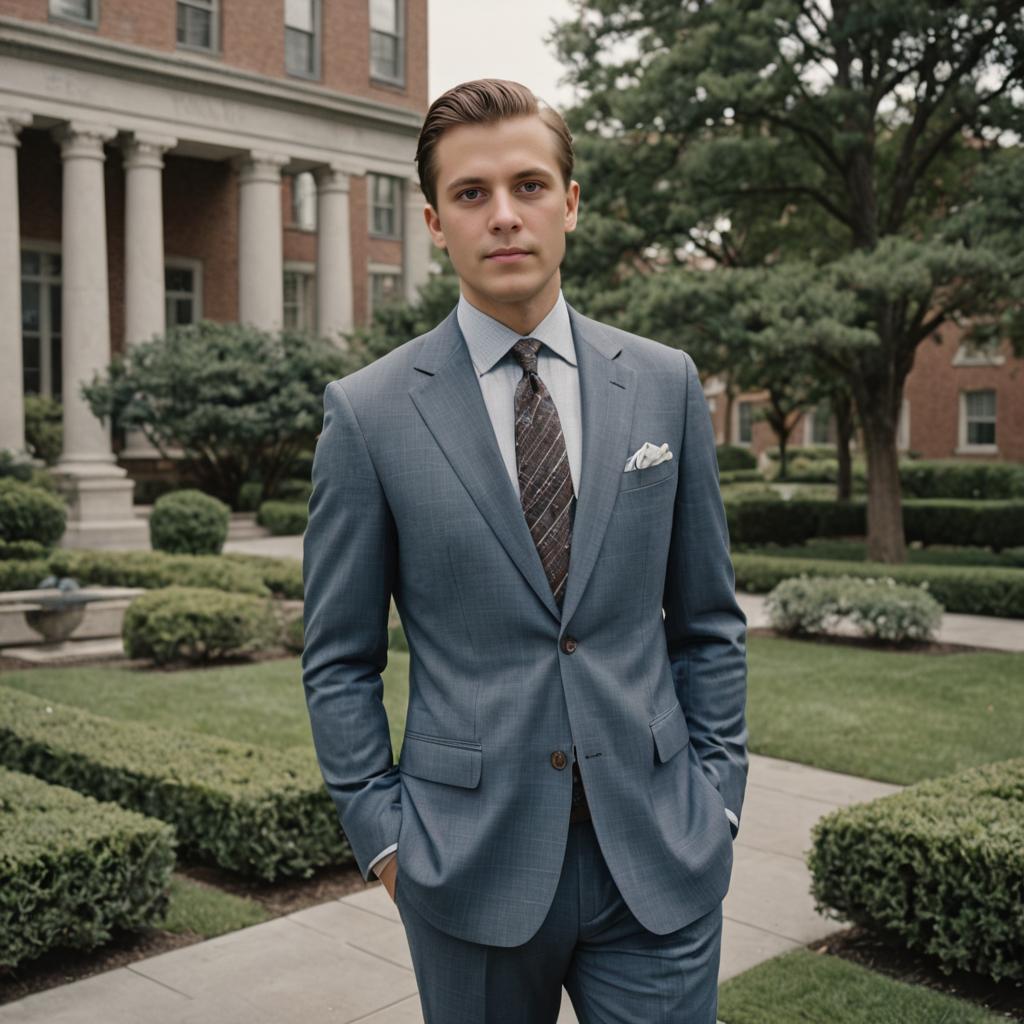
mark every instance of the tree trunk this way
{"type": "Point", "coordinates": [842, 409]}
{"type": "Point", "coordinates": [886, 541]}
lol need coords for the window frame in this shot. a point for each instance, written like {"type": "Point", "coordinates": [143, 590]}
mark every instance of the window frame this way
{"type": "Point", "coordinates": [45, 324]}
{"type": "Point", "coordinates": [398, 198]}
{"type": "Point", "coordinates": [966, 447]}
{"type": "Point", "coordinates": [93, 21]}
{"type": "Point", "coordinates": [213, 7]}
{"type": "Point", "coordinates": [740, 403]}
{"type": "Point", "coordinates": [196, 266]}
{"type": "Point", "coordinates": [307, 294]}
{"type": "Point", "coordinates": [315, 74]}
{"type": "Point", "coordinates": [383, 270]}
{"type": "Point", "coordinates": [399, 80]}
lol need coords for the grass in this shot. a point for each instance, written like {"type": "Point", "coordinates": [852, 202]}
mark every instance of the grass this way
{"type": "Point", "coordinates": [892, 717]}
{"type": "Point", "coordinates": [208, 911]}
{"type": "Point", "coordinates": [807, 988]}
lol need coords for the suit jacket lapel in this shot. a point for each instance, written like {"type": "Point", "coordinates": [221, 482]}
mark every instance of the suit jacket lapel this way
{"type": "Point", "coordinates": [452, 406]}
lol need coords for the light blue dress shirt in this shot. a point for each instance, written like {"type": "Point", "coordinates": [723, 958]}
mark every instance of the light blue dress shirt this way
{"type": "Point", "coordinates": [498, 373]}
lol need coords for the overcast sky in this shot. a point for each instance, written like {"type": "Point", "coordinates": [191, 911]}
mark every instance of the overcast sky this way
{"type": "Point", "coordinates": [496, 39]}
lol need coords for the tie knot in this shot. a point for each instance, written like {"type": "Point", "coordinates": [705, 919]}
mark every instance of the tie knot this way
{"type": "Point", "coordinates": [525, 351]}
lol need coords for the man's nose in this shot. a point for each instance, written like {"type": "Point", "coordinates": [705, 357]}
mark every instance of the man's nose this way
{"type": "Point", "coordinates": [504, 216]}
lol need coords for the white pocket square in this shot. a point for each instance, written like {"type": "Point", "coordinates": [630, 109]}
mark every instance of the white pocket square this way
{"type": "Point", "coordinates": [648, 455]}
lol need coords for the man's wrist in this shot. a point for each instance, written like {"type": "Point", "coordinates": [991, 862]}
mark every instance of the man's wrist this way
{"type": "Point", "coordinates": [383, 859]}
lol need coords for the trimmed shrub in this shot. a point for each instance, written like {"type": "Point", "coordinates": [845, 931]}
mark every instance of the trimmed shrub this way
{"type": "Point", "coordinates": [22, 550]}
{"type": "Point", "coordinates": [878, 608]}
{"type": "Point", "coordinates": [734, 456]}
{"type": "Point", "coordinates": [939, 865]}
{"type": "Point", "coordinates": [284, 517]}
{"type": "Point", "coordinates": [151, 569]}
{"type": "Point", "coordinates": [16, 574]}
{"type": "Point", "coordinates": [258, 811]}
{"type": "Point", "coordinates": [196, 624]}
{"type": "Point", "coordinates": [294, 635]}
{"type": "Point", "coordinates": [975, 591]}
{"type": "Point", "coordinates": [44, 427]}
{"type": "Point", "coordinates": [189, 522]}
{"type": "Point", "coordinates": [30, 513]}
{"type": "Point", "coordinates": [282, 576]}
{"type": "Point", "coordinates": [948, 478]}
{"type": "Point", "coordinates": [72, 869]}
{"type": "Point", "coordinates": [249, 495]}
{"type": "Point", "coordinates": [740, 476]}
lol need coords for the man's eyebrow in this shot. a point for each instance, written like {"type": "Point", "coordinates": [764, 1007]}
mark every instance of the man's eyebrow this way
{"type": "Point", "coordinates": [530, 172]}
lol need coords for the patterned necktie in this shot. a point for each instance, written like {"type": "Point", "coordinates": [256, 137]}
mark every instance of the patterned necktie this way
{"type": "Point", "coordinates": [545, 483]}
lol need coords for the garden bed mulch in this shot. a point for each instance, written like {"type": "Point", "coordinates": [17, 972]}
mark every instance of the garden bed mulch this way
{"type": "Point", "coordinates": [864, 643]}
{"type": "Point", "coordinates": [874, 951]}
{"type": "Point", "coordinates": [61, 966]}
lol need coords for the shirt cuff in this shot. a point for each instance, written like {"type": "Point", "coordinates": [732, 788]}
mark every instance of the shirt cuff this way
{"type": "Point", "coordinates": [382, 854]}
{"type": "Point", "coordinates": [733, 820]}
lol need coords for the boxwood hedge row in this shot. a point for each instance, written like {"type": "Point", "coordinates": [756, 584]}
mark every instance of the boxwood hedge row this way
{"type": "Point", "coordinates": [973, 590]}
{"type": "Point", "coordinates": [940, 865]}
{"type": "Point", "coordinates": [250, 809]}
{"type": "Point", "coordinates": [72, 868]}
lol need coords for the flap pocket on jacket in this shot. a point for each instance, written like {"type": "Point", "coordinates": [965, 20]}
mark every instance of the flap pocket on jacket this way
{"type": "Point", "coordinates": [453, 762]}
{"type": "Point", "coordinates": [670, 733]}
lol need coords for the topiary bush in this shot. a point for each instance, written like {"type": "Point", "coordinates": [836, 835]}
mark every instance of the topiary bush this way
{"type": "Point", "coordinates": [30, 513]}
{"type": "Point", "coordinates": [44, 428]}
{"type": "Point", "coordinates": [878, 608]}
{"type": "Point", "coordinates": [284, 518]}
{"type": "Point", "coordinates": [195, 624]}
{"type": "Point", "coordinates": [733, 456]}
{"type": "Point", "coordinates": [189, 522]}
{"type": "Point", "coordinates": [949, 478]}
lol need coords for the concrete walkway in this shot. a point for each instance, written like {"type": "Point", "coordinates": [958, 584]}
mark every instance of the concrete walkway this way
{"type": "Point", "coordinates": [347, 960]}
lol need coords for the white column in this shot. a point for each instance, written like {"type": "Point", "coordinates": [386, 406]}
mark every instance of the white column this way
{"type": "Point", "coordinates": [98, 491]}
{"type": "Point", "coordinates": [333, 254]}
{"type": "Point", "coordinates": [12, 404]}
{"type": "Point", "coordinates": [260, 245]}
{"type": "Point", "coordinates": [416, 241]}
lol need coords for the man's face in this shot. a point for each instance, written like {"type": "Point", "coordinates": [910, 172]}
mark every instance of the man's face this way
{"type": "Point", "coordinates": [502, 213]}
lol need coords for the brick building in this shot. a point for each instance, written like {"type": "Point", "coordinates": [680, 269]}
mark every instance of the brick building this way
{"type": "Point", "coordinates": [163, 161]}
{"type": "Point", "coordinates": [957, 404]}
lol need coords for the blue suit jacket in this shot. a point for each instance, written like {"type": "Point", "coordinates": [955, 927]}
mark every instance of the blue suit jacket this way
{"type": "Point", "coordinates": [411, 498]}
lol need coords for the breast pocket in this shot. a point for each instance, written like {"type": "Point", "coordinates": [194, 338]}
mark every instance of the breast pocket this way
{"type": "Point", "coordinates": [438, 759]}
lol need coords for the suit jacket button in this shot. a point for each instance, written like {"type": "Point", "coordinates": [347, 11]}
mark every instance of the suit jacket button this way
{"type": "Point", "coordinates": [569, 644]}
{"type": "Point", "coordinates": [559, 760]}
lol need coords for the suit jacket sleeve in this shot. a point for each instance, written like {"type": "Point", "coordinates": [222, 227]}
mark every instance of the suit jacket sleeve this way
{"type": "Point", "coordinates": [704, 625]}
{"type": "Point", "coordinates": [349, 566]}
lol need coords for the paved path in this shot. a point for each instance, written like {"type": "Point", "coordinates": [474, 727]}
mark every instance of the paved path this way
{"type": "Point", "coordinates": [347, 960]}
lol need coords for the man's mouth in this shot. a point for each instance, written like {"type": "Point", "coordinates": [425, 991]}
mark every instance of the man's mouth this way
{"type": "Point", "coordinates": [510, 255]}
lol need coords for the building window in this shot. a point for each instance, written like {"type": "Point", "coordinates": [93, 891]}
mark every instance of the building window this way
{"type": "Point", "coordinates": [978, 419]}
{"type": "Point", "coordinates": [83, 12]}
{"type": "Point", "coordinates": [197, 24]}
{"type": "Point", "coordinates": [385, 194]}
{"type": "Point", "coordinates": [300, 297]}
{"type": "Point", "coordinates": [744, 416]}
{"type": "Point", "coordinates": [387, 40]}
{"type": "Point", "coordinates": [304, 201]}
{"type": "Point", "coordinates": [820, 428]}
{"type": "Point", "coordinates": [301, 37]}
{"type": "Point", "coordinates": [41, 322]}
{"type": "Point", "coordinates": [903, 426]}
{"type": "Point", "coordinates": [183, 292]}
{"type": "Point", "coordinates": [385, 285]}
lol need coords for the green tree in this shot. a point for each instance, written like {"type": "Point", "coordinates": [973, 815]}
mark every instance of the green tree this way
{"type": "Point", "coordinates": [239, 402]}
{"type": "Point", "coordinates": [848, 139]}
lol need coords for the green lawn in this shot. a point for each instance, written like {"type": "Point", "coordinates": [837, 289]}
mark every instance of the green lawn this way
{"type": "Point", "coordinates": [208, 911]}
{"type": "Point", "coordinates": [894, 717]}
{"type": "Point", "coordinates": [809, 988]}
{"type": "Point", "coordinates": [840, 550]}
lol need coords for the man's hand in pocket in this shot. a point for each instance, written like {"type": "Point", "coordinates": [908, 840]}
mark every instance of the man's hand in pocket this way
{"type": "Point", "coordinates": [388, 875]}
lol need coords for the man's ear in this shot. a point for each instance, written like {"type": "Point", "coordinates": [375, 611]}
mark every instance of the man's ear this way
{"type": "Point", "coordinates": [434, 225]}
{"type": "Point", "coordinates": [572, 205]}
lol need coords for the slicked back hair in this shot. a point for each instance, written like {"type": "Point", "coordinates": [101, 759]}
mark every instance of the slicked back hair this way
{"type": "Point", "coordinates": [485, 101]}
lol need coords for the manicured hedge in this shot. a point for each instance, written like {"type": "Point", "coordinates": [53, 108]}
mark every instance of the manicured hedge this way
{"type": "Point", "coordinates": [281, 576]}
{"type": "Point", "coordinates": [740, 476]}
{"type": "Point", "coordinates": [284, 518]}
{"type": "Point", "coordinates": [250, 809]}
{"type": "Point", "coordinates": [733, 456]}
{"type": "Point", "coordinates": [975, 591]}
{"type": "Point", "coordinates": [30, 513]}
{"type": "Point", "coordinates": [197, 624]}
{"type": "Point", "coordinates": [189, 522]}
{"type": "Point", "coordinates": [940, 865]}
{"type": "Point", "coordinates": [995, 524]}
{"type": "Point", "coordinates": [943, 478]}
{"type": "Point", "coordinates": [72, 868]}
{"type": "Point", "coordinates": [151, 569]}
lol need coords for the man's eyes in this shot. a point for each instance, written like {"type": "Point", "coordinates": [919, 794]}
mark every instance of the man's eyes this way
{"type": "Point", "coordinates": [531, 188]}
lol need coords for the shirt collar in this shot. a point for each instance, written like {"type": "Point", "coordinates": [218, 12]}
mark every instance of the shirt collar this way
{"type": "Point", "coordinates": [489, 340]}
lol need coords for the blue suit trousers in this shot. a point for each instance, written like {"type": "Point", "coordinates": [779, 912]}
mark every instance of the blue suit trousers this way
{"type": "Point", "coordinates": [590, 943]}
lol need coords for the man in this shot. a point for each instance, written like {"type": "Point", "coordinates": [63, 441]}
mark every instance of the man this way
{"type": "Point", "coordinates": [539, 492]}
